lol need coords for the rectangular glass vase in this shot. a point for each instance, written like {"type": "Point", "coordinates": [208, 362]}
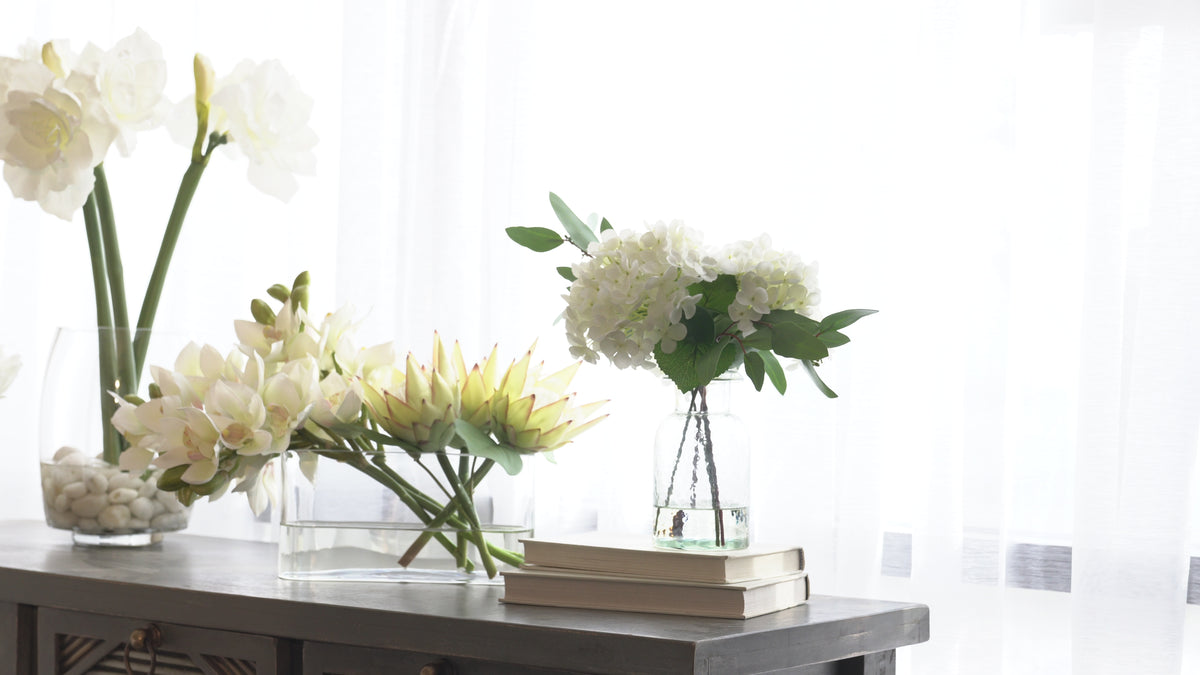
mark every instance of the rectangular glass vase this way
{"type": "Point", "coordinates": [350, 522]}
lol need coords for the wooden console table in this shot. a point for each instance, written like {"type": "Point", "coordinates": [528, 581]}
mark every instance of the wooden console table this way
{"type": "Point", "coordinates": [215, 606]}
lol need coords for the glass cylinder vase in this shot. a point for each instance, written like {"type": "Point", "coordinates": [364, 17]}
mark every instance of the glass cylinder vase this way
{"type": "Point", "coordinates": [396, 516]}
{"type": "Point", "coordinates": [702, 473]}
{"type": "Point", "coordinates": [82, 492]}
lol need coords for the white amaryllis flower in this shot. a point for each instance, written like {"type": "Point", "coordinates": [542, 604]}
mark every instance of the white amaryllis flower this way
{"type": "Point", "coordinates": [631, 292]}
{"type": "Point", "coordinates": [9, 366]}
{"type": "Point", "coordinates": [267, 115]}
{"type": "Point", "coordinates": [130, 79]}
{"type": "Point", "coordinates": [53, 132]}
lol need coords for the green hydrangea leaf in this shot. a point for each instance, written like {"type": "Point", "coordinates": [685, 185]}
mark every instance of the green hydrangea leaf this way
{"type": "Point", "coordinates": [754, 369]}
{"type": "Point", "coordinates": [700, 328]}
{"type": "Point", "coordinates": [566, 273]}
{"type": "Point", "coordinates": [718, 293]}
{"type": "Point", "coordinates": [540, 239]}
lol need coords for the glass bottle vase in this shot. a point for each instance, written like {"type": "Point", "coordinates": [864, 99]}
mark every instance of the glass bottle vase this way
{"type": "Point", "coordinates": [702, 473]}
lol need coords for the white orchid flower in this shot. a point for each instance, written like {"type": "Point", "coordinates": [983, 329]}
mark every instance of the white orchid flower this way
{"type": "Point", "coordinates": [191, 439]}
{"type": "Point", "coordinates": [238, 413]}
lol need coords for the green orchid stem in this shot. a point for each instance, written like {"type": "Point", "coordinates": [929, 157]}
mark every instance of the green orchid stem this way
{"type": "Point", "coordinates": [432, 506]}
{"type": "Point", "coordinates": [467, 507]}
{"type": "Point", "coordinates": [187, 190]}
{"type": "Point", "coordinates": [128, 379]}
{"type": "Point", "coordinates": [112, 447]}
{"type": "Point", "coordinates": [445, 514]}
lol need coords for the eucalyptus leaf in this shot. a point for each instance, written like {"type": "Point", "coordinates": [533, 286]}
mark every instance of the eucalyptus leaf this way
{"type": "Point", "coordinates": [540, 239]}
{"type": "Point", "coordinates": [579, 232]}
{"type": "Point", "coordinates": [759, 339]}
{"type": "Point", "coordinates": [794, 342]}
{"type": "Point", "coordinates": [839, 320]}
{"type": "Point", "coordinates": [774, 371]}
{"type": "Point", "coordinates": [482, 445]}
{"type": "Point", "coordinates": [786, 316]}
{"type": "Point", "coordinates": [565, 272]}
{"type": "Point", "coordinates": [812, 372]}
{"type": "Point", "coordinates": [754, 369]}
{"type": "Point", "coordinates": [833, 338]}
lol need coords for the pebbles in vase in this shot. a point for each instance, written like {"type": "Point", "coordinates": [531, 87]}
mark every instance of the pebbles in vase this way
{"type": "Point", "coordinates": [85, 494]}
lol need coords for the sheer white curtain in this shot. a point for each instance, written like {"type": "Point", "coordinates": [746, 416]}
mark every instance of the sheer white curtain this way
{"type": "Point", "coordinates": [1012, 184]}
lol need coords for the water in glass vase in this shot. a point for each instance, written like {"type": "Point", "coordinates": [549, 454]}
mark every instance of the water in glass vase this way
{"type": "Point", "coordinates": [694, 528]}
{"type": "Point", "coordinates": [357, 551]}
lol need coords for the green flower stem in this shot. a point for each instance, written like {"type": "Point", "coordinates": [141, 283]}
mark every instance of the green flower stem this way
{"type": "Point", "coordinates": [498, 552]}
{"type": "Point", "coordinates": [448, 511]}
{"type": "Point", "coordinates": [467, 507]}
{"type": "Point", "coordinates": [128, 378]}
{"type": "Point", "coordinates": [112, 447]}
{"type": "Point", "coordinates": [187, 189]}
{"type": "Point", "coordinates": [359, 461]}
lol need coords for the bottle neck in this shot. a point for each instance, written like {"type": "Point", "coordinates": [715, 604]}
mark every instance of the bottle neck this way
{"type": "Point", "coordinates": [712, 399]}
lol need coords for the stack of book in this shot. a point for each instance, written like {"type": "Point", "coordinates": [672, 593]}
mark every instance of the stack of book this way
{"type": "Point", "coordinates": [627, 573]}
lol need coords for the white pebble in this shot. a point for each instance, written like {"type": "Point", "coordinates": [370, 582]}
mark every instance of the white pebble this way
{"type": "Point", "coordinates": [65, 475]}
{"type": "Point", "coordinates": [142, 508]}
{"type": "Point", "coordinates": [166, 521]}
{"type": "Point", "coordinates": [88, 525]}
{"type": "Point", "coordinates": [75, 490]}
{"type": "Point", "coordinates": [62, 520]}
{"type": "Point", "coordinates": [64, 451]}
{"type": "Point", "coordinates": [122, 496]}
{"type": "Point", "coordinates": [147, 489]}
{"type": "Point", "coordinates": [88, 506]}
{"type": "Point", "coordinates": [48, 485]}
{"type": "Point", "coordinates": [73, 459]}
{"type": "Point", "coordinates": [97, 483]}
{"type": "Point", "coordinates": [114, 517]}
{"type": "Point", "coordinates": [159, 507]}
{"type": "Point", "coordinates": [62, 504]}
{"type": "Point", "coordinates": [121, 480]}
{"type": "Point", "coordinates": [138, 524]}
{"type": "Point", "coordinates": [168, 500]}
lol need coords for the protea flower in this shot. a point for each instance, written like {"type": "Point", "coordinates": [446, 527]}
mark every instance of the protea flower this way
{"type": "Point", "coordinates": [418, 406]}
{"type": "Point", "coordinates": [532, 414]}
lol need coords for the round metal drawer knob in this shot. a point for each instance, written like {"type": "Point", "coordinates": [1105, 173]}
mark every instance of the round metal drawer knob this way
{"type": "Point", "coordinates": [439, 667]}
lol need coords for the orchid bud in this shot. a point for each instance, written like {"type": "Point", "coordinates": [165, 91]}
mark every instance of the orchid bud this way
{"type": "Point", "coordinates": [279, 292]}
{"type": "Point", "coordinates": [261, 312]}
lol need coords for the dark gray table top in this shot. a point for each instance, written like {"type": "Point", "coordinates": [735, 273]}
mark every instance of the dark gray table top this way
{"type": "Point", "coordinates": [231, 585]}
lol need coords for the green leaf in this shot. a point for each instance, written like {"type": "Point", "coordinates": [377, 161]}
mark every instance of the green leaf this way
{"type": "Point", "coordinates": [171, 480]}
{"type": "Point", "coordinates": [718, 293]}
{"type": "Point", "coordinates": [577, 230]}
{"type": "Point", "coordinates": [540, 239]}
{"type": "Point", "coordinates": [833, 339]}
{"type": "Point", "coordinates": [700, 328]}
{"type": "Point", "coordinates": [759, 339]}
{"type": "Point", "coordinates": [786, 316]}
{"type": "Point", "coordinates": [605, 226]}
{"type": "Point", "coordinates": [482, 445]}
{"type": "Point", "coordinates": [794, 342]}
{"type": "Point", "coordinates": [839, 320]}
{"type": "Point", "coordinates": [754, 369]}
{"type": "Point", "coordinates": [679, 366]}
{"type": "Point", "coordinates": [774, 371]}
{"type": "Point", "coordinates": [566, 273]}
{"type": "Point", "coordinates": [812, 372]}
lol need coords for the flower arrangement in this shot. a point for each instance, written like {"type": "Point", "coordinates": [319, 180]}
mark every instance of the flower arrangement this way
{"type": "Point", "coordinates": [294, 385]}
{"type": "Point", "coordinates": [62, 112]}
{"type": "Point", "coordinates": [660, 298]}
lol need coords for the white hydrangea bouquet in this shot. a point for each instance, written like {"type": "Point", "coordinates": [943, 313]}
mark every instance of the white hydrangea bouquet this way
{"type": "Point", "coordinates": [62, 112]}
{"type": "Point", "coordinates": [296, 385]}
{"type": "Point", "coordinates": [660, 298]}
